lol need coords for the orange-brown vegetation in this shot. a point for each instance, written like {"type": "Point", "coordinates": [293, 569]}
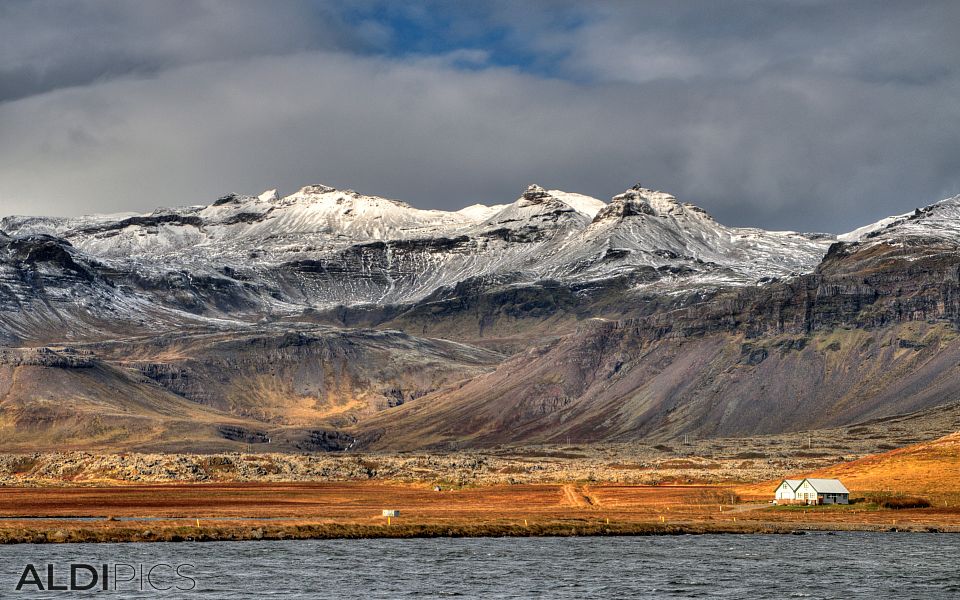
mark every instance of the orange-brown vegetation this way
{"type": "Point", "coordinates": [897, 501]}
{"type": "Point", "coordinates": [909, 477]}
{"type": "Point", "coordinates": [928, 468]}
{"type": "Point", "coordinates": [912, 488]}
{"type": "Point", "coordinates": [353, 509]}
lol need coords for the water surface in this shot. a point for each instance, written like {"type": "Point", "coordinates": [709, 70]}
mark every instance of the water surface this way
{"type": "Point", "coordinates": [817, 565]}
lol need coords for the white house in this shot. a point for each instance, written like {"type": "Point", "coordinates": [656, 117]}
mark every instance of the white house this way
{"type": "Point", "coordinates": [787, 491]}
{"type": "Point", "coordinates": [812, 491]}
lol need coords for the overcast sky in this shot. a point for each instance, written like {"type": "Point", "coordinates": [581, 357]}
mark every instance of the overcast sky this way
{"type": "Point", "coordinates": [799, 114]}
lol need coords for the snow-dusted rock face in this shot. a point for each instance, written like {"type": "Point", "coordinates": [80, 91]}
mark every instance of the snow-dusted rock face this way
{"type": "Point", "coordinates": [322, 247]}
{"type": "Point", "coordinates": [646, 228]}
{"type": "Point", "coordinates": [937, 223]}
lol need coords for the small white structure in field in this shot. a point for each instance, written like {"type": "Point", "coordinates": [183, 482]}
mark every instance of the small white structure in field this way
{"type": "Point", "coordinates": [787, 491]}
{"type": "Point", "coordinates": [812, 491]}
{"type": "Point", "coordinates": [388, 512]}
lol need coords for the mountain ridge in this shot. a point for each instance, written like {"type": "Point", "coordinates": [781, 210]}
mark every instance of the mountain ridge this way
{"type": "Point", "coordinates": [289, 248]}
{"type": "Point", "coordinates": [551, 317]}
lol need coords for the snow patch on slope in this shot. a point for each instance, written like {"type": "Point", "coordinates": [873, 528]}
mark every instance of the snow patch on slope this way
{"type": "Point", "coordinates": [584, 205]}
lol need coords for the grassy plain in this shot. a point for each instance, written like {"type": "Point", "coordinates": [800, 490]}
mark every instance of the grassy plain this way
{"type": "Point", "coordinates": [225, 510]}
{"type": "Point", "coordinates": [172, 512]}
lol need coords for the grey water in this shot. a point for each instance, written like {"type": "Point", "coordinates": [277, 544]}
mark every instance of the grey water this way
{"type": "Point", "coordinates": [817, 565]}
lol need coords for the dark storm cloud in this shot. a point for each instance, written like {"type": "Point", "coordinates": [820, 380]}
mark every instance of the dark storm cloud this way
{"type": "Point", "coordinates": [46, 45]}
{"type": "Point", "coordinates": [803, 115]}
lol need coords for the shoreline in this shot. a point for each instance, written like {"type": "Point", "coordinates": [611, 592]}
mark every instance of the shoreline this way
{"type": "Point", "coordinates": [267, 532]}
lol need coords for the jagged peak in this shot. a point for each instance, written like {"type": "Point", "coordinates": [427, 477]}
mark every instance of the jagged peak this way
{"type": "Point", "coordinates": [535, 194]}
{"type": "Point", "coordinates": [537, 204]}
{"type": "Point", "coordinates": [623, 206]}
{"type": "Point", "coordinates": [559, 200]}
{"type": "Point", "coordinates": [315, 190]}
{"type": "Point", "coordinates": [269, 196]}
{"type": "Point", "coordinates": [233, 198]}
{"type": "Point", "coordinates": [639, 200]}
{"type": "Point", "coordinates": [345, 199]}
{"type": "Point", "coordinates": [228, 199]}
{"type": "Point", "coordinates": [652, 197]}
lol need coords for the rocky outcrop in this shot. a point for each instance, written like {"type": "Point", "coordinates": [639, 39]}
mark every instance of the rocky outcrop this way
{"type": "Point", "coordinates": [855, 286]}
{"type": "Point", "coordinates": [63, 358]}
{"type": "Point", "coordinates": [629, 204]}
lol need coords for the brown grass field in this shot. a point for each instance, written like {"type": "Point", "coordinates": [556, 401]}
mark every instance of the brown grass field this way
{"type": "Point", "coordinates": [927, 469]}
{"type": "Point", "coordinates": [353, 509]}
{"type": "Point", "coordinates": [228, 511]}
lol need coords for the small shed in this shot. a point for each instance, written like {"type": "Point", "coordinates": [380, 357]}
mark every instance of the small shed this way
{"type": "Point", "coordinates": [787, 491]}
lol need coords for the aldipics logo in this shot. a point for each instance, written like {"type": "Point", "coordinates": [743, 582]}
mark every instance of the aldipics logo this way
{"type": "Point", "coordinates": [81, 577]}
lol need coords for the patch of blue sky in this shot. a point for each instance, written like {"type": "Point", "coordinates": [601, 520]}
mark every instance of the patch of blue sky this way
{"type": "Point", "coordinates": [467, 34]}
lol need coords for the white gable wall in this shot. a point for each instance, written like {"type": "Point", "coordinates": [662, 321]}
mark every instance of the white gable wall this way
{"type": "Point", "coordinates": [806, 492]}
{"type": "Point", "coordinates": [785, 492]}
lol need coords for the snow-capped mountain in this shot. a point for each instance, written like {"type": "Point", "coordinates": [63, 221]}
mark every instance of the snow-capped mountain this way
{"type": "Point", "coordinates": [322, 247]}
{"type": "Point", "coordinates": [938, 222]}
{"type": "Point", "coordinates": [638, 317]}
{"type": "Point", "coordinates": [646, 228]}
